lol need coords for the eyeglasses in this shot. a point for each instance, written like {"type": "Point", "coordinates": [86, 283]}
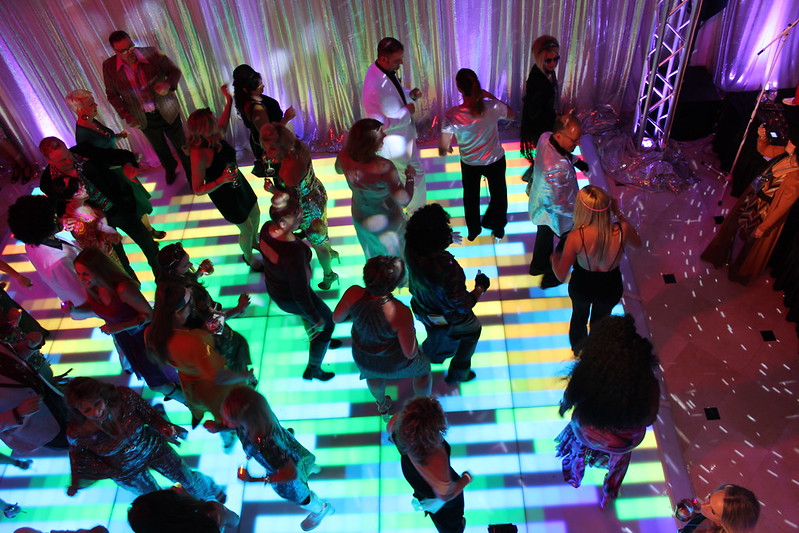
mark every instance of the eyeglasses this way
{"type": "Point", "coordinates": [125, 50]}
{"type": "Point", "coordinates": [552, 60]}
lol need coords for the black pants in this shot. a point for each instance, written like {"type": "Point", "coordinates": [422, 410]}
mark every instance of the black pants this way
{"type": "Point", "coordinates": [457, 340]}
{"type": "Point", "coordinates": [593, 296]}
{"type": "Point", "coordinates": [157, 132]}
{"type": "Point", "coordinates": [542, 253]}
{"type": "Point", "coordinates": [320, 343]}
{"type": "Point", "coordinates": [448, 519]}
{"type": "Point", "coordinates": [134, 228]}
{"type": "Point", "coordinates": [496, 216]}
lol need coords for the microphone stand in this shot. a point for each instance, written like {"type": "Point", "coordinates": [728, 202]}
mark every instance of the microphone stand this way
{"type": "Point", "coordinates": [781, 37]}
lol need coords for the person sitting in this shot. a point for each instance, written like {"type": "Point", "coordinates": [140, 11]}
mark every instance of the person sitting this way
{"type": "Point", "coordinates": [383, 337]}
{"type": "Point", "coordinates": [418, 432]}
{"type": "Point", "coordinates": [728, 509]}
{"type": "Point", "coordinates": [378, 195]}
{"type": "Point", "coordinates": [176, 511]}
{"type": "Point", "coordinates": [287, 273]}
{"type": "Point", "coordinates": [595, 250]}
{"type": "Point", "coordinates": [296, 176]}
{"type": "Point", "coordinates": [614, 393]}
{"type": "Point", "coordinates": [439, 296]}
{"type": "Point", "coordinates": [214, 172]}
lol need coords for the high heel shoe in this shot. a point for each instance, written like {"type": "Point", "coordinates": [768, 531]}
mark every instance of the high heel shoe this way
{"type": "Point", "coordinates": [328, 280]}
{"type": "Point", "coordinates": [158, 234]}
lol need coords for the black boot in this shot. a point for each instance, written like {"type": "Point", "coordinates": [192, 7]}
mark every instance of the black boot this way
{"type": "Point", "coordinates": [316, 372]}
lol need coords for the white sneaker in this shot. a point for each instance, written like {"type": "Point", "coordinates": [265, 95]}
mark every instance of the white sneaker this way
{"type": "Point", "coordinates": [313, 520]}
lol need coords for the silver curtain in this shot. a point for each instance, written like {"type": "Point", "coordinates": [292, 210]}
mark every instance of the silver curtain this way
{"type": "Point", "coordinates": [313, 53]}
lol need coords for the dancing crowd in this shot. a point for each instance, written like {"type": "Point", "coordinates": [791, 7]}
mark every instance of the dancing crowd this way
{"type": "Point", "coordinates": [184, 347]}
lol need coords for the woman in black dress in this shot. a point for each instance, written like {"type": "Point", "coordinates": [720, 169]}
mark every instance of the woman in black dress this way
{"type": "Point", "coordinates": [214, 172]}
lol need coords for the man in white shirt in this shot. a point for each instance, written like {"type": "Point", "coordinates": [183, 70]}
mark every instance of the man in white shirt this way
{"type": "Point", "coordinates": [385, 99]}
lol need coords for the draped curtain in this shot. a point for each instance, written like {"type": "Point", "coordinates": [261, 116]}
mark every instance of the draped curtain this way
{"type": "Point", "coordinates": [313, 54]}
{"type": "Point", "coordinates": [728, 44]}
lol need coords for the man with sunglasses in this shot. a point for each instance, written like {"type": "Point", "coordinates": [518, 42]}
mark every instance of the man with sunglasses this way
{"type": "Point", "coordinates": [140, 83]}
{"type": "Point", "coordinates": [553, 192]}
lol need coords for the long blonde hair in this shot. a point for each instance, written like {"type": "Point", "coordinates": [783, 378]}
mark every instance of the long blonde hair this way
{"type": "Point", "coordinates": [592, 208]}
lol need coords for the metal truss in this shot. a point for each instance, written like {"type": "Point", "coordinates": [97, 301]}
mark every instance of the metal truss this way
{"type": "Point", "coordinates": [673, 32]}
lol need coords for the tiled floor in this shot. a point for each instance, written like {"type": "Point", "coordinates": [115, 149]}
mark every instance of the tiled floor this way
{"type": "Point", "coordinates": [503, 422]}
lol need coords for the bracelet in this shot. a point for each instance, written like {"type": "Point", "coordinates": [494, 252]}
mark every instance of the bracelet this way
{"type": "Point", "coordinates": [17, 416]}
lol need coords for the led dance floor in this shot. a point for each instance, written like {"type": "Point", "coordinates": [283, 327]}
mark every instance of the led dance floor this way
{"type": "Point", "coordinates": [502, 423]}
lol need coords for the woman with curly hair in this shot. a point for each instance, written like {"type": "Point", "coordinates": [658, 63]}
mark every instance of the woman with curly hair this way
{"type": "Point", "coordinates": [440, 299]}
{"type": "Point", "coordinates": [117, 299]}
{"type": "Point", "coordinates": [288, 463]}
{"type": "Point", "coordinates": [296, 177]}
{"type": "Point", "coordinates": [595, 248]}
{"type": "Point", "coordinates": [257, 109]}
{"type": "Point", "coordinates": [418, 432]}
{"type": "Point", "coordinates": [115, 434]}
{"type": "Point", "coordinates": [728, 509]}
{"type": "Point", "coordinates": [378, 195]}
{"type": "Point", "coordinates": [613, 391]}
{"type": "Point", "coordinates": [383, 337]}
{"type": "Point", "coordinates": [174, 266]}
{"type": "Point", "coordinates": [214, 172]}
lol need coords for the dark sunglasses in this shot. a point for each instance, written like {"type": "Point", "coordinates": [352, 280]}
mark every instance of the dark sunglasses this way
{"type": "Point", "coordinates": [552, 60]}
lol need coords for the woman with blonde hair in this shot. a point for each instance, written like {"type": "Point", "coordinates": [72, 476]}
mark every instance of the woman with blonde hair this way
{"type": "Point", "coordinates": [296, 177]}
{"type": "Point", "coordinates": [541, 94]}
{"type": "Point", "coordinates": [91, 131]}
{"type": "Point", "coordinates": [728, 509]}
{"type": "Point", "coordinates": [288, 463]}
{"type": "Point", "coordinates": [595, 247]}
{"type": "Point", "coordinates": [214, 172]}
